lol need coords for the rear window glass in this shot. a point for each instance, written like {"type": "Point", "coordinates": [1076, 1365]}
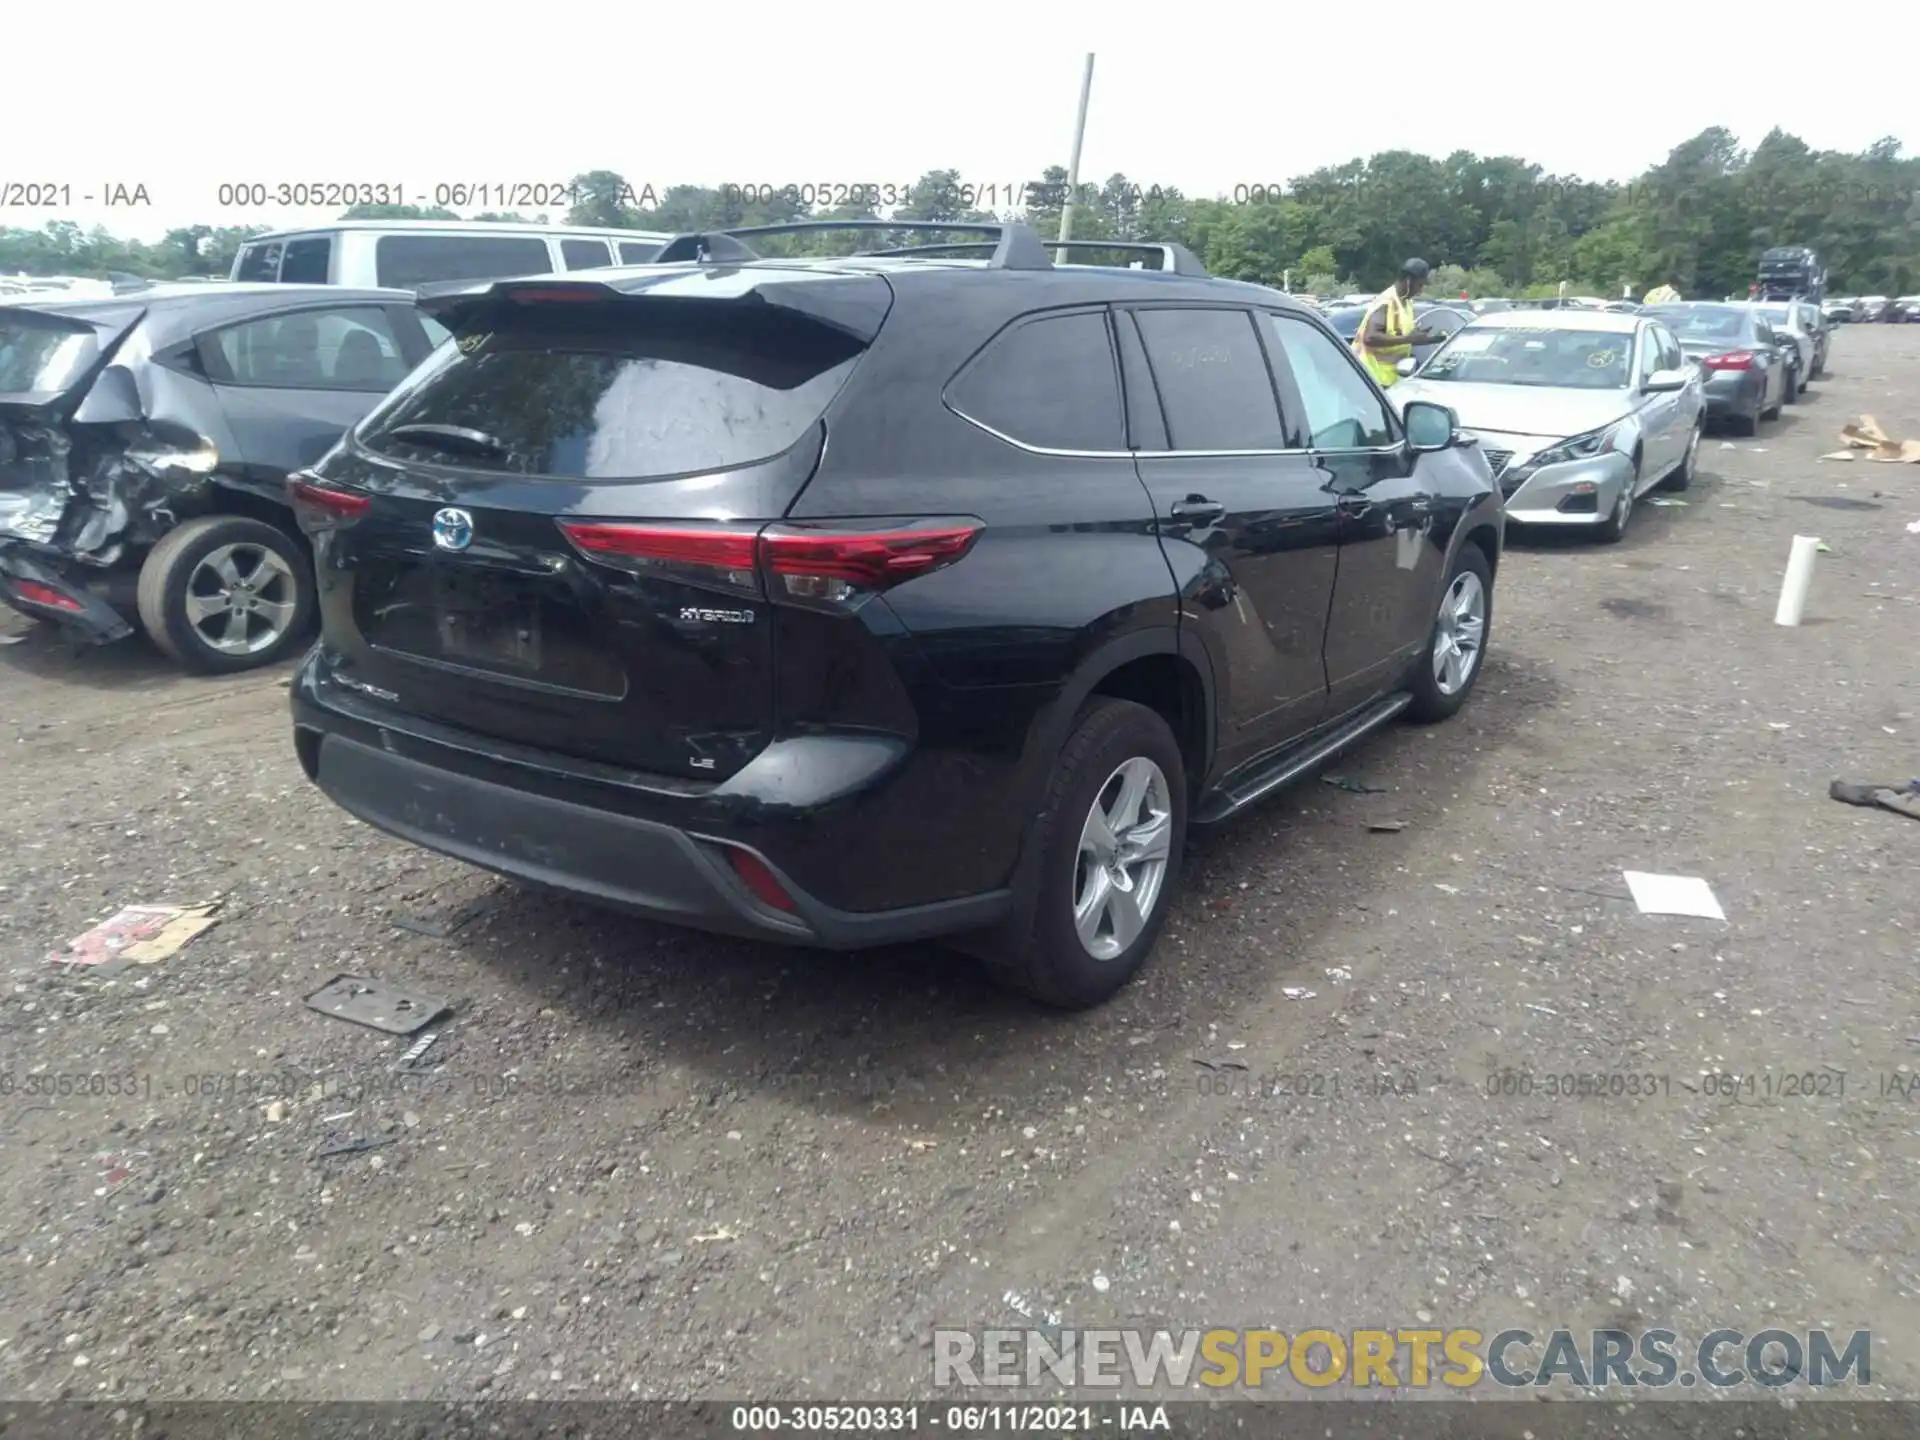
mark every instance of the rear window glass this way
{"type": "Point", "coordinates": [259, 262]}
{"type": "Point", "coordinates": [622, 390]}
{"type": "Point", "coordinates": [403, 261]}
{"type": "Point", "coordinates": [38, 356]}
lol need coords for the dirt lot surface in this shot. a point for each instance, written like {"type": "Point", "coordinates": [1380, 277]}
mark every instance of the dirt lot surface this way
{"type": "Point", "coordinates": [653, 1163]}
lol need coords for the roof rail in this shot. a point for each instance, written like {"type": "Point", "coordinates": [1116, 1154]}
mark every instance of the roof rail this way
{"type": "Point", "coordinates": [1014, 246]}
{"type": "Point", "coordinates": [1174, 259]}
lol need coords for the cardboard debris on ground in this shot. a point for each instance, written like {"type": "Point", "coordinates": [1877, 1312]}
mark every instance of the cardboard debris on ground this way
{"type": "Point", "coordinates": [1866, 436]}
{"type": "Point", "coordinates": [138, 935]}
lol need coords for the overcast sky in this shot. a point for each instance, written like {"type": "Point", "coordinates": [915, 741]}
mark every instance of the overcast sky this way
{"type": "Point", "coordinates": [853, 93]}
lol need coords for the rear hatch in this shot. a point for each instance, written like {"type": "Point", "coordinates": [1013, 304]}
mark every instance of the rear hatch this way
{"type": "Point", "coordinates": [551, 534]}
{"type": "Point", "coordinates": [49, 359]}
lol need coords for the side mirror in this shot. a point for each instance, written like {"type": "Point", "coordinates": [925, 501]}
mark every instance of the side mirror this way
{"type": "Point", "coordinates": [1661, 381]}
{"type": "Point", "coordinates": [1407, 366]}
{"type": "Point", "coordinates": [1430, 427]}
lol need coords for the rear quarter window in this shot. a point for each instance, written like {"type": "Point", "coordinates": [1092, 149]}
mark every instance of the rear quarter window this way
{"type": "Point", "coordinates": [1050, 383]}
{"type": "Point", "coordinates": [259, 262]}
{"type": "Point", "coordinates": [405, 261]}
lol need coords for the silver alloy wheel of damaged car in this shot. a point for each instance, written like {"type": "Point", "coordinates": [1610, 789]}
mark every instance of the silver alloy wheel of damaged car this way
{"type": "Point", "coordinates": [241, 598]}
{"type": "Point", "coordinates": [1460, 633]}
{"type": "Point", "coordinates": [1124, 846]}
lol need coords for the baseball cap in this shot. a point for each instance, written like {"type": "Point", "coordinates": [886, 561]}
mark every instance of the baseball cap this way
{"type": "Point", "coordinates": [1418, 269]}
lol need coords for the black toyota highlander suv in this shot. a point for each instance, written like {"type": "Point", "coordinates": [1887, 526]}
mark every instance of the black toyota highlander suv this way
{"type": "Point", "coordinates": [927, 592]}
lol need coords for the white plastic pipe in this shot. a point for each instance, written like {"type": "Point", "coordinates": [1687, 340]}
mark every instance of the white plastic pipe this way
{"type": "Point", "coordinates": [1799, 580]}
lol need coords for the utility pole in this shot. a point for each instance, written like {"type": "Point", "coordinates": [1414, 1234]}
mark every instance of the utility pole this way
{"type": "Point", "coordinates": [1073, 162]}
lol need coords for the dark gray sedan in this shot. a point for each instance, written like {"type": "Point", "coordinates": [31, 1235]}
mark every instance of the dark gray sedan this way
{"type": "Point", "coordinates": [145, 443]}
{"type": "Point", "coordinates": [1743, 362]}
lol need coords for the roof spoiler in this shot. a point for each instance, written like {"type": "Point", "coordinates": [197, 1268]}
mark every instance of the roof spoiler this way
{"type": "Point", "coordinates": [1009, 244]}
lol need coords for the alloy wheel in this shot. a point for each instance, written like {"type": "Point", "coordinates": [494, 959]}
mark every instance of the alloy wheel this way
{"type": "Point", "coordinates": [241, 598]}
{"type": "Point", "coordinates": [1459, 633]}
{"type": "Point", "coordinates": [1122, 863]}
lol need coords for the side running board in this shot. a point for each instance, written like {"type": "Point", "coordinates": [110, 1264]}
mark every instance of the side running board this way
{"type": "Point", "coordinates": [1290, 765]}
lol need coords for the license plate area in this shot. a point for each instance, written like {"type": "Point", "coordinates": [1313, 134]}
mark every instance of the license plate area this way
{"type": "Point", "coordinates": [478, 621]}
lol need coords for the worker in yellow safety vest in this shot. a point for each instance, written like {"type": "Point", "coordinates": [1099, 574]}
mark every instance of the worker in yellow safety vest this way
{"type": "Point", "coordinates": [1387, 333]}
{"type": "Point", "coordinates": [1667, 294]}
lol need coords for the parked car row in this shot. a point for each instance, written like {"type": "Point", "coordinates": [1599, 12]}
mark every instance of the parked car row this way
{"type": "Point", "coordinates": [1874, 309]}
{"type": "Point", "coordinates": [604, 607]}
{"type": "Point", "coordinates": [1579, 412]}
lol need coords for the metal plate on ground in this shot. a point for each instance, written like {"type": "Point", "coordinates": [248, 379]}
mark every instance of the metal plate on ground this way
{"type": "Point", "coordinates": [376, 1004]}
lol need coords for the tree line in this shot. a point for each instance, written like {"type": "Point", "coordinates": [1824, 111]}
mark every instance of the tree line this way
{"type": "Point", "coordinates": [1496, 225]}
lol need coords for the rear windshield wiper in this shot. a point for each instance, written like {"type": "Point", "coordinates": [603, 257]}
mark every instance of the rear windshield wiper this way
{"type": "Point", "coordinates": [451, 437]}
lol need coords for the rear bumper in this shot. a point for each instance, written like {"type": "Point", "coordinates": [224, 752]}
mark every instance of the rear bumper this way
{"type": "Point", "coordinates": [87, 613]}
{"type": "Point", "coordinates": [504, 815]}
{"type": "Point", "coordinates": [1734, 393]}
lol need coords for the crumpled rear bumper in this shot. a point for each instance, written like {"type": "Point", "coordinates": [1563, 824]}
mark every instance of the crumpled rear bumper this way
{"type": "Point", "coordinates": [40, 587]}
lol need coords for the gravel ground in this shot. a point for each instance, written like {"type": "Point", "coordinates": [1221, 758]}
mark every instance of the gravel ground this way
{"type": "Point", "coordinates": [655, 1163]}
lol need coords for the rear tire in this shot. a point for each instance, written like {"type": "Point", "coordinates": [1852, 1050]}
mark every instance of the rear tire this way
{"type": "Point", "coordinates": [204, 572]}
{"type": "Point", "coordinates": [1051, 962]}
{"type": "Point", "coordinates": [1748, 425]}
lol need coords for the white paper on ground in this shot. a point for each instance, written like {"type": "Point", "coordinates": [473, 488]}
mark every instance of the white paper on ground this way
{"type": "Point", "coordinates": [1673, 895]}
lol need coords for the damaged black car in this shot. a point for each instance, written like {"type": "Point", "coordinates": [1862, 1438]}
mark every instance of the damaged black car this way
{"type": "Point", "coordinates": [145, 441]}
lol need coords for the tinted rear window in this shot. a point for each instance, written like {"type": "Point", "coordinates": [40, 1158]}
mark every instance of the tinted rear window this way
{"type": "Point", "coordinates": [40, 355]}
{"type": "Point", "coordinates": [404, 261]}
{"type": "Point", "coordinates": [625, 389]}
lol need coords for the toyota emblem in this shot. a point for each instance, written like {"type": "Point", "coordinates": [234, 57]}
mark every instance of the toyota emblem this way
{"type": "Point", "coordinates": [452, 529]}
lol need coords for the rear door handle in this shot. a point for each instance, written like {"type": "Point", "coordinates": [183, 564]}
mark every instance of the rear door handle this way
{"type": "Point", "coordinates": [1198, 508]}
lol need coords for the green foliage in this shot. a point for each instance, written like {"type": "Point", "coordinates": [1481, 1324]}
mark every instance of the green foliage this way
{"type": "Point", "coordinates": [1488, 224]}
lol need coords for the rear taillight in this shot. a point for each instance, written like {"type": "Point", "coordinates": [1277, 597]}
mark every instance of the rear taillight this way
{"type": "Point", "coordinates": [317, 503]}
{"type": "Point", "coordinates": [34, 593]}
{"type": "Point", "coordinates": [831, 564]}
{"type": "Point", "coordinates": [1733, 360]}
{"type": "Point", "coordinates": [809, 563]}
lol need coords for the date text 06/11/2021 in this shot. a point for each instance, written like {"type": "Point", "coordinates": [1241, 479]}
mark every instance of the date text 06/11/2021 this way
{"type": "Point", "coordinates": [970, 1419]}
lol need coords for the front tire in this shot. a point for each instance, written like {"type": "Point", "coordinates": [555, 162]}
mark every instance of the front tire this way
{"type": "Point", "coordinates": [1682, 477]}
{"type": "Point", "coordinates": [1451, 663]}
{"type": "Point", "coordinates": [1109, 841]}
{"type": "Point", "coordinates": [1614, 528]}
{"type": "Point", "coordinates": [225, 593]}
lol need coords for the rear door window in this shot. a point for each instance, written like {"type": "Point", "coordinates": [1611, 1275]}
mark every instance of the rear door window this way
{"type": "Point", "coordinates": [349, 348]}
{"type": "Point", "coordinates": [1048, 383]}
{"type": "Point", "coordinates": [585, 254]}
{"type": "Point", "coordinates": [628, 389]}
{"type": "Point", "coordinates": [1213, 381]}
{"type": "Point", "coordinates": [637, 252]}
{"type": "Point", "coordinates": [405, 261]}
{"type": "Point", "coordinates": [307, 262]}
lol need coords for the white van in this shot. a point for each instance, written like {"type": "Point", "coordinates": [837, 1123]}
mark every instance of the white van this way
{"type": "Point", "coordinates": [406, 254]}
